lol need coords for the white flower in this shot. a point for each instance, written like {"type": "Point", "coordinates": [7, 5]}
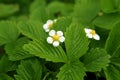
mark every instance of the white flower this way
{"type": "Point", "coordinates": [48, 25]}
{"type": "Point", "coordinates": [92, 34]}
{"type": "Point", "coordinates": [55, 38]}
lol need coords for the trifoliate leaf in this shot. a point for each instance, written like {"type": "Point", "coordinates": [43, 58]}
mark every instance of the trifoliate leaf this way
{"type": "Point", "coordinates": [5, 77]}
{"type": "Point", "coordinates": [8, 9]}
{"type": "Point", "coordinates": [30, 69]}
{"type": "Point", "coordinates": [44, 50]}
{"type": "Point", "coordinates": [96, 59]}
{"type": "Point", "coordinates": [8, 32]}
{"type": "Point", "coordinates": [7, 65]}
{"type": "Point", "coordinates": [113, 40]}
{"type": "Point", "coordinates": [72, 71]}
{"type": "Point", "coordinates": [32, 29]}
{"type": "Point", "coordinates": [85, 11]}
{"type": "Point", "coordinates": [76, 42]}
{"type": "Point", "coordinates": [15, 49]}
{"type": "Point", "coordinates": [107, 21]}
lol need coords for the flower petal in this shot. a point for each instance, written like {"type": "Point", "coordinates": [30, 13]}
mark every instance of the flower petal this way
{"type": "Point", "coordinates": [59, 33]}
{"type": "Point", "coordinates": [87, 30]}
{"type": "Point", "coordinates": [47, 30]}
{"type": "Point", "coordinates": [52, 32]}
{"type": "Point", "coordinates": [55, 43]}
{"type": "Point", "coordinates": [89, 35]}
{"type": "Point", "coordinates": [49, 21]}
{"type": "Point", "coordinates": [45, 26]}
{"type": "Point", "coordinates": [62, 39]}
{"type": "Point", "coordinates": [96, 37]}
{"type": "Point", "coordinates": [50, 40]}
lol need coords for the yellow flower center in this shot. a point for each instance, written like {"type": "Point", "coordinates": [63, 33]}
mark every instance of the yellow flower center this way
{"type": "Point", "coordinates": [93, 32]}
{"type": "Point", "coordinates": [56, 37]}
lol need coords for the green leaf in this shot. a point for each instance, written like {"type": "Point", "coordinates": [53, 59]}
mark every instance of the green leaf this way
{"type": "Point", "coordinates": [112, 73]}
{"type": "Point", "coordinates": [15, 50]}
{"type": "Point", "coordinates": [5, 77]}
{"type": "Point", "coordinates": [107, 21]}
{"type": "Point", "coordinates": [30, 69]}
{"type": "Point", "coordinates": [7, 65]}
{"type": "Point", "coordinates": [35, 4]}
{"type": "Point", "coordinates": [7, 9]}
{"type": "Point", "coordinates": [108, 6]}
{"type": "Point", "coordinates": [96, 59]}
{"type": "Point", "coordinates": [57, 9]}
{"type": "Point", "coordinates": [117, 4]}
{"type": "Point", "coordinates": [85, 11]}
{"type": "Point", "coordinates": [39, 14]}
{"type": "Point", "coordinates": [44, 50]}
{"type": "Point", "coordinates": [72, 71]}
{"type": "Point", "coordinates": [76, 41]}
{"type": "Point", "coordinates": [32, 29]}
{"type": "Point", "coordinates": [116, 61]}
{"type": "Point", "coordinates": [116, 52]}
{"type": "Point", "coordinates": [62, 23]}
{"type": "Point", "coordinates": [113, 40]}
{"type": "Point", "coordinates": [8, 32]}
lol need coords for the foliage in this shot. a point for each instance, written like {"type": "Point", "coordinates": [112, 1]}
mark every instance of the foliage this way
{"type": "Point", "coordinates": [26, 55]}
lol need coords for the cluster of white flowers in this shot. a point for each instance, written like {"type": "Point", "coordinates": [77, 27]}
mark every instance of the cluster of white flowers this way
{"type": "Point", "coordinates": [55, 37]}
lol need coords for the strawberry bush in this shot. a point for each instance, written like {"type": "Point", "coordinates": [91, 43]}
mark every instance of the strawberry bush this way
{"type": "Point", "coordinates": [59, 39]}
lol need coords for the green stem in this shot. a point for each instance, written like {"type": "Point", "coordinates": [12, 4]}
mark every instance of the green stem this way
{"type": "Point", "coordinates": [46, 76]}
{"type": "Point", "coordinates": [96, 77]}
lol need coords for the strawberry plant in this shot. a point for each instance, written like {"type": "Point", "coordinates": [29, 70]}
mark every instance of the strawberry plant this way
{"type": "Point", "coordinates": [59, 40]}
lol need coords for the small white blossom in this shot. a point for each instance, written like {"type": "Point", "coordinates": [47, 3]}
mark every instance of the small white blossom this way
{"type": "Point", "coordinates": [48, 25]}
{"type": "Point", "coordinates": [91, 34]}
{"type": "Point", "coordinates": [55, 38]}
